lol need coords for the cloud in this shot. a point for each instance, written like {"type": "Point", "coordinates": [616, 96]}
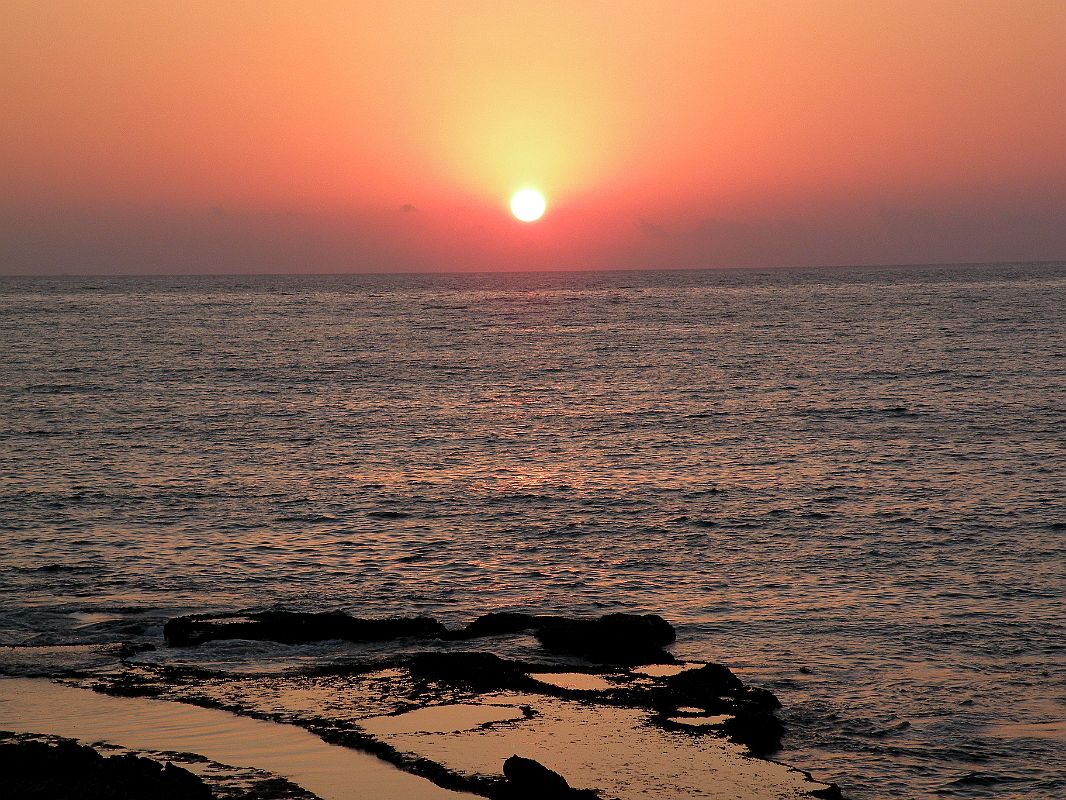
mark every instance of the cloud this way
{"type": "Point", "coordinates": [407, 208]}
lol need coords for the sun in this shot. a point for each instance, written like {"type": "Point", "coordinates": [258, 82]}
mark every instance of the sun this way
{"type": "Point", "coordinates": [528, 205]}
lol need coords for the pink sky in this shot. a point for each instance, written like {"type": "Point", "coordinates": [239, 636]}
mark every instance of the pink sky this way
{"type": "Point", "coordinates": [389, 136]}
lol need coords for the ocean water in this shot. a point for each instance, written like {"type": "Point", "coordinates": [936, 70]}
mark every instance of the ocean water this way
{"type": "Point", "coordinates": [849, 484]}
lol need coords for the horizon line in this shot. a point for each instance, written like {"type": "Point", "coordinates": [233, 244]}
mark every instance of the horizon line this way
{"type": "Point", "coordinates": [562, 270]}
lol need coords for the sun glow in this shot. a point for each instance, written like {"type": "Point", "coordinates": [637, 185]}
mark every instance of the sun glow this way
{"type": "Point", "coordinates": [528, 205]}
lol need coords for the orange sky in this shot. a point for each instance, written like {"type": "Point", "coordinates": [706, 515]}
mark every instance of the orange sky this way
{"type": "Point", "coordinates": [379, 136]}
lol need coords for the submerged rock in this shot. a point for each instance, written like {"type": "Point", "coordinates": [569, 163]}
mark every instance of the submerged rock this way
{"type": "Point", "coordinates": [32, 770]}
{"type": "Point", "coordinates": [614, 638]}
{"type": "Point", "coordinates": [530, 780]}
{"type": "Point", "coordinates": [294, 627]}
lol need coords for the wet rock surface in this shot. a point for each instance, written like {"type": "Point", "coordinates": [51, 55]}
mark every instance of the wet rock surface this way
{"type": "Point", "coordinates": [530, 780]}
{"type": "Point", "coordinates": [716, 690]}
{"type": "Point", "coordinates": [294, 627]}
{"type": "Point", "coordinates": [704, 685]}
{"type": "Point", "coordinates": [56, 768]}
{"type": "Point", "coordinates": [36, 770]}
{"type": "Point", "coordinates": [477, 670]}
{"type": "Point", "coordinates": [610, 639]}
{"type": "Point", "coordinates": [502, 623]}
{"type": "Point", "coordinates": [422, 664]}
{"type": "Point", "coordinates": [613, 639]}
{"type": "Point", "coordinates": [831, 792]}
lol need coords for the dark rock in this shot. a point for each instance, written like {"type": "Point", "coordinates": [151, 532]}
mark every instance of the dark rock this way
{"type": "Point", "coordinates": [830, 792]}
{"type": "Point", "coordinates": [483, 671]}
{"type": "Point", "coordinates": [614, 638]}
{"type": "Point", "coordinates": [761, 699]}
{"type": "Point", "coordinates": [702, 687]}
{"type": "Point", "coordinates": [502, 623]}
{"type": "Point", "coordinates": [129, 649]}
{"type": "Point", "coordinates": [760, 731]}
{"type": "Point", "coordinates": [530, 780]}
{"type": "Point", "coordinates": [293, 627]}
{"type": "Point", "coordinates": [716, 689]}
{"type": "Point", "coordinates": [67, 770]}
{"type": "Point", "coordinates": [534, 776]}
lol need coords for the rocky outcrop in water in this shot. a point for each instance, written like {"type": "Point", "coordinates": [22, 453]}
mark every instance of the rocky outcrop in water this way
{"type": "Point", "coordinates": [435, 667]}
{"type": "Point", "coordinates": [295, 627]}
{"type": "Point", "coordinates": [760, 731]}
{"type": "Point", "coordinates": [31, 770]}
{"type": "Point", "coordinates": [830, 792]}
{"type": "Point", "coordinates": [502, 623]}
{"type": "Point", "coordinates": [610, 639]}
{"type": "Point", "coordinates": [699, 687]}
{"type": "Point", "coordinates": [715, 690]}
{"type": "Point", "coordinates": [481, 671]}
{"type": "Point", "coordinates": [613, 639]}
{"type": "Point", "coordinates": [530, 780]}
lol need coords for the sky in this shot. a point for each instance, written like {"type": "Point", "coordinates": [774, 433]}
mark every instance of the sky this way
{"type": "Point", "coordinates": [272, 137]}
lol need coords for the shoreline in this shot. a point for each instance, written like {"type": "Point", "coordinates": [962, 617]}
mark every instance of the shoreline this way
{"type": "Point", "coordinates": [596, 703]}
{"type": "Point", "coordinates": [42, 706]}
{"type": "Point", "coordinates": [45, 707]}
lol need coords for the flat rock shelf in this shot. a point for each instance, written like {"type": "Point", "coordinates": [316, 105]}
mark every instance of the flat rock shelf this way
{"type": "Point", "coordinates": [332, 772]}
{"type": "Point", "coordinates": [407, 708]}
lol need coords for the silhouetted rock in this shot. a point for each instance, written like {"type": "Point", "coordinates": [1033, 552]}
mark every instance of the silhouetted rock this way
{"type": "Point", "coordinates": [717, 690]}
{"type": "Point", "coordinates": [759, 698]}
{"type": "Point", "coordinates": [502, 623]}
{"type": "Point", "coordinates": [530, 780]}
{"type": "Point", "coordinates": [483, 671]}
{"type": "Point", "coordinates": [128, 649]}
{"type": "Point", "coordinates": [761, 732]}
{"type": "Point", "coordinates": [614, 638]}
{"type": "Point", "coordinates": [702, 687]}
{"type": "Point", "coordinates": [67, 770]}
{"type": "Point", "coordinates": [293, 627]}
{"type": "Point", "coordinates": [830, 792]}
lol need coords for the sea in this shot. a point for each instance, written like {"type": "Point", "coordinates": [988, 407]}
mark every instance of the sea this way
{"type": "Point", "coordinates": [846, 484]}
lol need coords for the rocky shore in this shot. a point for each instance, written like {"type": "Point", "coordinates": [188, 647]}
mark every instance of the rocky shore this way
{"type": "Point", "coordinates": [56, 769]}
{"type": "Point", "coordinates": [544, 721]}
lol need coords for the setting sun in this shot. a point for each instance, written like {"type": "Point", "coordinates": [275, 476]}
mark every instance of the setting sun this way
{"type": "Point", "coordinates": [528, 205]}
